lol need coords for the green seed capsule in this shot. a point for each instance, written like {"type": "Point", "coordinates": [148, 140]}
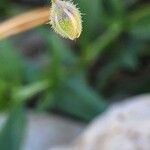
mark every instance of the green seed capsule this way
{"type": "Point", "coordinates": [65, 19]}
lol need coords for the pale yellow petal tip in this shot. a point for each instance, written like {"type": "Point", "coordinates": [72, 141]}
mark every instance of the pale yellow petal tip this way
{"type": "Point", "coordinates": [65, 19]}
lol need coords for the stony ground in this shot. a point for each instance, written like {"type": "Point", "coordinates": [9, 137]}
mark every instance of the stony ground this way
{"type": "Point", "coordinates": [124, 126]}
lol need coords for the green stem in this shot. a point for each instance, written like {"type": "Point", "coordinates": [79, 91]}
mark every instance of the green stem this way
{"type": "Point", "coordinates": [22, 94]}
{"type": "Point", "coordinates": [139, 13]}
{"type": "Point", "coordinates": [97, 47]}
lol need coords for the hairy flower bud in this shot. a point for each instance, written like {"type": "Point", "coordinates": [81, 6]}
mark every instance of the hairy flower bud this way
{"type": "Point", "coordinates": [65, 19]}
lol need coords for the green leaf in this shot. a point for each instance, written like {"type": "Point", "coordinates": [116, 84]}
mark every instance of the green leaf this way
{"type": "Point", "coordinates": [22, 94]}
{"type": "Point", "coordinates": [76, 98]}
{"type": "Point", "coordinates": [114, 8]}
{"type": "Point", "coordinates": [47, 102]}
{"type": "Point", "coordinates": [4, 6]}
{"type": "Point", "coordinates": [11, 64]}
{"type": "Point", "coordinates": [118, 7]}
{"type": "Point", "coordinates": [93, 16]}
{"type": "Point", "coordinates": [126, 57]}
{"type": "Point", "coordinates": [62, 50]}
{"type": "Point", "coordinates": [4, 96]}
{"type": "Point", "coordinates": [141, 30]}
{"type": "Point", "coordinates": [140, 23]}
{"type": "Point", "coordinates": [98, 46]}
{"type": "Point", "coordinates": [12, 134]}
{"type": "Point", "coordinates": [58, 47]}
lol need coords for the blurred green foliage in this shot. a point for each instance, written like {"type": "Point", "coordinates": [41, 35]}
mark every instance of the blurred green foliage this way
{"type": "Point", "coordinates": [4, 6]}
{"type": "Point", "coordinates": [111, 59]}
{"type": "Point", "coordinates": [12, 133]}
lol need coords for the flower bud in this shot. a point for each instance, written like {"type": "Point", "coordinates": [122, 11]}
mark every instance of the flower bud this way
{"type": "Point", "coordinates": [65, 19]}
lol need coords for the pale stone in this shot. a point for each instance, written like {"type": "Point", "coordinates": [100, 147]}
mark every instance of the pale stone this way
{"type": "Point", "coordinates": [124, 126]}
{"type": "Point", "coordinates": [44, 130]}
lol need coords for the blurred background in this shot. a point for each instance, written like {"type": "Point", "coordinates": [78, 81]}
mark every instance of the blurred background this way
{"type": "Point", "coordinates": [79, 79]}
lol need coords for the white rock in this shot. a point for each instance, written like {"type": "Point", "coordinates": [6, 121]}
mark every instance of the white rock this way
{"type": "Point", "coordinates": [124, 126]}
{"type": "Point", "coordinates": [44, 130]}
